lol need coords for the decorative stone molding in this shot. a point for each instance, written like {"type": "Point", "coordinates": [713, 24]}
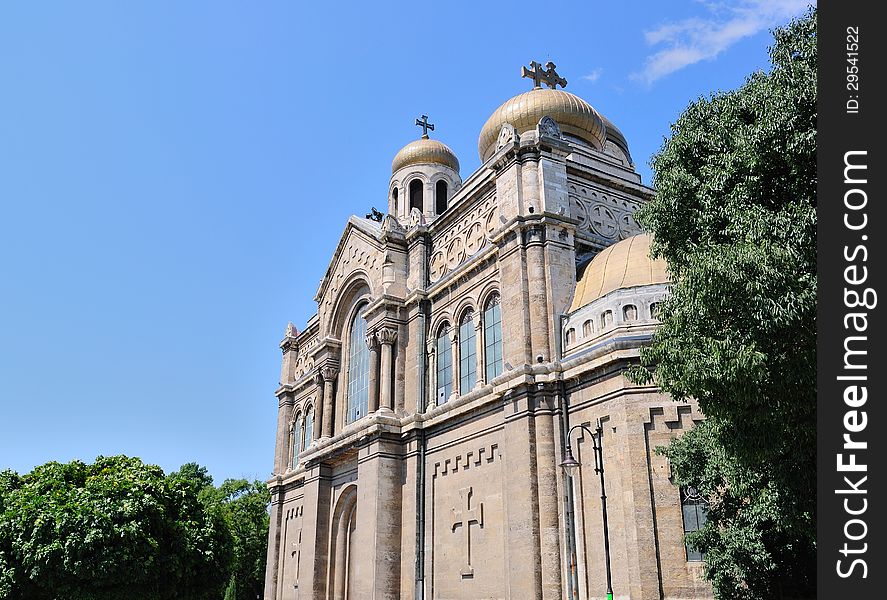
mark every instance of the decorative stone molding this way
{"type": "Point", "coordinates": [372, 341]}
{"type": "Point", "coordinates": [386, 335]}
{"type": "Point", "coordinates": [329, 373]}
{"type": "Point", "coordinates": [467, 460]}
{"type": "Point", "coordinates": [507, 136]}
{"type": "Point", "coordinates": [548, 127]}
{"type": "Point", "coordinates": [602, 213]}
{"type": "Point", "coordinates": [464, 239]}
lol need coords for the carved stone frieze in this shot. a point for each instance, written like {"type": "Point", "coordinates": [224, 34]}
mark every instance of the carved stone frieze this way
{"type": "Point", "coordinates": [602, 213]}
{"type": "Point", "coordinates": [464, 239]}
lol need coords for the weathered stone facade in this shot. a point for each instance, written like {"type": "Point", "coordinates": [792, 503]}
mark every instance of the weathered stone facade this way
{"type": "Point", "coordinates": [445, 365]}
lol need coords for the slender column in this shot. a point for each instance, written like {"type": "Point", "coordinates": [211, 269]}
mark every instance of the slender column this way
{"type": "Point", "coordinates": [386, 336]}
{"type": "Point", "coordinates": [373, 344]}
{"type": "Point", "coordinates": [329, 379]}
{"type": "Point", "coordinates": [480, 361]}
{"type": "Point", "coordinates": [319, 412]}
{"type": "Point", "coordinates": [454, 348]}
{"type": "Point", "coordinates": [535, 236]}
{"type": "Point", "coordinates": [431, 395]}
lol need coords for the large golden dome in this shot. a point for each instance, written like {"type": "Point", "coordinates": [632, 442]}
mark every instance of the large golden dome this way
{"type": "Point", "coordinates": [424, 151]}
{"type": "Point", "coordinates": [625, 264]}
{"type": "Point", "coordinates": [574, 116]}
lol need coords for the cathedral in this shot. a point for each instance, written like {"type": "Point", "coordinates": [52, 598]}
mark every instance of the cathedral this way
{"type": "Point", "coordinates": [454, 422]}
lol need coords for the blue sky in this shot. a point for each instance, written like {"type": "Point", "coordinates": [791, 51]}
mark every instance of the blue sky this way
{"type": "Point", "coordinates": [175, 176]}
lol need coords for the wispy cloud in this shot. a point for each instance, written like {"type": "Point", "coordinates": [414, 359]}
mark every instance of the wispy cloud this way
{"type": "Point", "coordinates": [594, 75]}
{"type": "Point", "coordinates": [693, 40]}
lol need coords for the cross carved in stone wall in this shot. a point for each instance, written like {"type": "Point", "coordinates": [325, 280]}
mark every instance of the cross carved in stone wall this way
{"type": "Point", "coordinates": [464, 517]}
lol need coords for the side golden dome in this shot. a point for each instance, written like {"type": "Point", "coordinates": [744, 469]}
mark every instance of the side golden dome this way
{"type": "Point", "coordinates": [625, 264]}
{"type": "Point", "coordinates": [424, 151]}
{"type": "Point", "coordinates": [574, 116]}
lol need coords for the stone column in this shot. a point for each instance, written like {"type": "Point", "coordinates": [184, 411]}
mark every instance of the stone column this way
{"type": "Point", "coordinates": [319, 413]}
{"type": "Point", "coordinates": [481, 360]}
{"type": "Point", "coordinates": [329, 380]}
{"type": "Point", "coordinates": [373, 345]}
{"type": "Point", "coordinates": [538, 284]}
{"type": "Point", "coordinates": [454, 348]}
{"type": "Point", "coordinates": [284, 416]}
{"type": "Point", "coordinates": [431, 393]}
{"type": "Point", "coordinates": [386, 336]}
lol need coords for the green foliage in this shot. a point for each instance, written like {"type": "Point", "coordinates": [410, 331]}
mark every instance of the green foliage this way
{"type": "Point", "coordinates": [245, 507]}
{"type": "Point", "coordinates": [113, 529]}
{"type": "Point", "coordinates": [119, 528]}
{"type": "Point", "coordinates": [735, 218]}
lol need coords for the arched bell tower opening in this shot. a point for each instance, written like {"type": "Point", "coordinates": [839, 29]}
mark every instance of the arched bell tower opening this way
{"type": "Point", "coordinates": [429, 172]}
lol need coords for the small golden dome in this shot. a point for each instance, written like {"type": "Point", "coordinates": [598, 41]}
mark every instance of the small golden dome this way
{"type": "Point", "coordinates": [573, 115]}
{"type": "Point", "coordinates": [625, 264]}
{"type": "Point", "coordinates": [425, 150]}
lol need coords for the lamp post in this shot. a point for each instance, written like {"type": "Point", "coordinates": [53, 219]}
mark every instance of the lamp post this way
{"type": "Point", "coordinates": [571, 467]}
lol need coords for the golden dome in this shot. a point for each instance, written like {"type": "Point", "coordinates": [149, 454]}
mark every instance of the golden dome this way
{"type": "Point", "coordinates": [625, 264]}
{"type": "Point", "coordinates": [423, 151]}
{"type": "Point", "coordinates": [573, 115]}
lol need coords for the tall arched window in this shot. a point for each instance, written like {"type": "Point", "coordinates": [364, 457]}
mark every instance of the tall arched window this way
{"type": "Point", "coordinates": [416, 194]}
{"type": "Point", "coordinates": [309, 428]}
{"type": "Point", "coordinates": [467, 353]}
{"type": "Point", "coordinates": [440, 197]}
{"type": "Point", "coordinates": [444, 364]}
{"type": "Point", "coordinates": [587, 329]}
{"type": "Point", "coordinates": [695, 513]}
{"type": "Point", "coordinates": [358, 369]}
{"type": "Point", "coordinates": [296, 439]}
{"type": "Point", "coordinates": [493, 338]}
{"type": "Point", "coordinates": [394, 201]}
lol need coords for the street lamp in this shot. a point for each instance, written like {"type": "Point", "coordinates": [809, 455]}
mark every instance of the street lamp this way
{"type": "Point", "coordinates": [571, 467]}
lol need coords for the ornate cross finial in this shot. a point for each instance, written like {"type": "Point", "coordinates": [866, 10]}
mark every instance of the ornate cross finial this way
{"type": "Point", "coordinates": [425, 125]}
{"type": "Point", "coordinates": [548, 75]}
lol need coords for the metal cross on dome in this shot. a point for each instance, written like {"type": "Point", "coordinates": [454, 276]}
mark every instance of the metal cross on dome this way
{"type": "Point", "coordinates": [548, 75]}
{"type": "Point", "coordinates": [425, 125]}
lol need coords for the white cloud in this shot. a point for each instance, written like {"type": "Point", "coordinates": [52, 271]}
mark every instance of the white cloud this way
{"type": "Point", "coordinates": [696, 39]}
{"type": "Point", "coordinates": [594, 75]}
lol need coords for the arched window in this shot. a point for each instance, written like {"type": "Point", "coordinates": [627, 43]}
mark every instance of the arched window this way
{"type": "Point", "coordinates": [444, 364]}
{"type": "Point", "coordinates": [358, 369]}
{"type": "Point", "coordinates": [296, 439]}
{"type": "Point", "coordinates": [587, 329]}
{"type": "Point", "coordinates": [493, 338]}
{"type": "Point", "coordinates": [309, 428]}
{"type": "Point", "coordinates": [571, 336]}
{"type": "Point", "coordinates": [394, 201]}
{"type": "Point", "coordinates": [440, 197]}
{"type": "Point", "coordinates": [630, 312]}
{"type": "Point", "coordinates": [606, 319]}
{"type": "Point", "coordinates": [695, 513]}
{"type": "Point", "coordinates": [467, 353]}
{"type": "Point", "coordinates": [654, 310]}
{"type": "Point", "coordinates": [416, 194]}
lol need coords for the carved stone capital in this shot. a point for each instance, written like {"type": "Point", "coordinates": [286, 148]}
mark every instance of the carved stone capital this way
{"type": "Point", "coordinates": [386, 335]}
{"type": "Point", "coordinates": [288, 345]}
{"type": "Point", "coordinates": [318, 378]}
{"type": "Point", "coordinates": [372, 341]}
{"type": "Point", "coordinates": [329, 373]}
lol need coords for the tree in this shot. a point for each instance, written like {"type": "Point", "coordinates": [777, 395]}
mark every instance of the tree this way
{"type": "Point", "coordinates": [244, 506]}
{"type": "Point", "coordinates": [735, 219]}
{"type": "Point", "coordinates": [117, 528]}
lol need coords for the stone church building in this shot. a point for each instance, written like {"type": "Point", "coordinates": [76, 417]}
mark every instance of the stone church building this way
{"type": "Point", "coordinates": [426, 409]}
